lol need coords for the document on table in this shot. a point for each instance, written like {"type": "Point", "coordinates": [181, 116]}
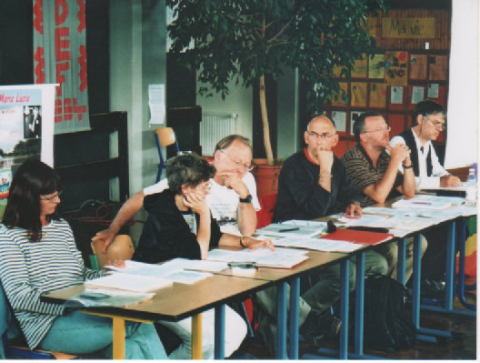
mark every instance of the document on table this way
{"type": "Point", "coordinates": [104, 298]}
{"type": "Point", "coordinates": [292, 230]}
{"type": "Point", "coordinates": [317, 244]}
{"type": "Point", "coordinates": [173, 270]}
{"type": "Point", "coordinates": [124, 281]}
{"type": "Point", "coordinates": [261, 257]}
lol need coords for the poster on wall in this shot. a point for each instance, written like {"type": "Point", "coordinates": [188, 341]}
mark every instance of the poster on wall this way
{"type": "Point", "coordinates": [60, 57]}
{"type": "Point", "coordinates": [26, 129]}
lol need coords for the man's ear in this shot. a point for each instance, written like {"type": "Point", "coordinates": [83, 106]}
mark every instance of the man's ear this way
{"type": "Point", "coordinates": [363, 137]}
{"type": "Point", "coordinates": [335, 140]}
{"type": "Point", "coordinates": [305, 137]}
{"type": "Point", "coordinates": [419, 119]}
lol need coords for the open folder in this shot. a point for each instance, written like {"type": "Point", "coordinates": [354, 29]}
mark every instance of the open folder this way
{"type": "Point", "coordinates": [361, 237]}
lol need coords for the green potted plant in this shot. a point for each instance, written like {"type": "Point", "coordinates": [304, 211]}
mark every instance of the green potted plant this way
{"type": "Point", "coordinates": [244, 40]}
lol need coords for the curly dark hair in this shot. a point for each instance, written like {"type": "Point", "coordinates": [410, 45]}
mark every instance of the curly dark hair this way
{"type": "Point", "coordinates": [188, 169]}
{"type": "Point", "coordinates": [31, 180]}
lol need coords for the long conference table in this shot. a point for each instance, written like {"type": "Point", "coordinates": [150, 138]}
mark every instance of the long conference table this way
{"type": "Point", "coordinates": [180, 301]}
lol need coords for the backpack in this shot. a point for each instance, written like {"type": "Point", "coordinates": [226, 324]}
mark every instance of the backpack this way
{"type": "Point", "coordinates": [387, 324]}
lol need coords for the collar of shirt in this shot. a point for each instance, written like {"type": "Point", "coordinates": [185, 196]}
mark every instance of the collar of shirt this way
{"type": "Point", "coordinates": [307, 155]}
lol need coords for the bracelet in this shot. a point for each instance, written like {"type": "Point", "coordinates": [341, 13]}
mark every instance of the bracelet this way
{"type": "Point", "coordinates": [241, 242]}
{"type": "Point", "coordinates": [408, 167]}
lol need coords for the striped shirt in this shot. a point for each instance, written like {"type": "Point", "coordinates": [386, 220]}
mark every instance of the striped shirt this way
{"type": "Point", "coordinates": [362, 173]}
{"type": "Point", "coordinates": [30, 269]}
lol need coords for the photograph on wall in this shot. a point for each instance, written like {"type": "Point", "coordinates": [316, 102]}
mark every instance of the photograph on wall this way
{"type": "Point", "coordinates": [418, 66]}
{"type": "Point", "coordinates": [378, 95]}
{"type": "Point", "coordinates": [438, 67]}
{"type": "Point", "coordinates": [360, 68]}
{"type": "Point", "coordinates": [376, 66]}
{"type": "Point", "coordinates": [396, 68]}
{"type": "Point", "coordinates": [358, 90]}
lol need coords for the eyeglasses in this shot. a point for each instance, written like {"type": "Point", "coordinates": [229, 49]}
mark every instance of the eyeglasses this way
{"type": "Point", "coordinates": [379, 130]}
{"type": "Point", "coordinates": [206, 188]}
{"type": "Point", "coordinates": [249, 167]}
{"type": "Point", "coordinates": [52, 198]}
{"type": "Point", "coordinates": [438, 125]}
{"type": "Point", "coordinates": [323, 136]}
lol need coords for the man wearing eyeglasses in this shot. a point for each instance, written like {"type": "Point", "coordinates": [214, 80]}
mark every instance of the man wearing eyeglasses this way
{"type": "Point", "coordinates": [428, 121]}
{"type": "Point", "coordinates": [233, 202]}
{"type": "Point", "coordinates": [373, 166]}
{"type": "Point", "coordinates": [313, 183]}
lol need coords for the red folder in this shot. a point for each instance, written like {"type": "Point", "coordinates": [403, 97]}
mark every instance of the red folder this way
{"type": "Point", "coordinates": [362, 237]}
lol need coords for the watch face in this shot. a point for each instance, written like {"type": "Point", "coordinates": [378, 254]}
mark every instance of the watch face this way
{"type": "Point", "coordinates": [248, 199]}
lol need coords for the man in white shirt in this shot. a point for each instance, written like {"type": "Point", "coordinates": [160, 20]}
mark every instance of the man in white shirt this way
{"type": "Point", "coordinates": [233, 202]}
{"type": "Point", "coordinates": [428, 122]}
{"type": "Point", "coordinates": [232, 199]}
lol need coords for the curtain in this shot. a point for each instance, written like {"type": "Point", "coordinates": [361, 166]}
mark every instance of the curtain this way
{"type": "Point", "coordinates": [60, 57]}
{"type": "Point", "coordinates": [463, 96]}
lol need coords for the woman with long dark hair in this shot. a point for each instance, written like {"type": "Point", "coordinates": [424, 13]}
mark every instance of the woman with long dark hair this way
{"type": "Point", "coordinates": [38, 255]}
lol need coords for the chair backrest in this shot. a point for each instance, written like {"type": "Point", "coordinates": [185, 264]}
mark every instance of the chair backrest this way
{"type": "Point", "coordinates": [267, 205]}
{"type": "Point", "coordinates": [166, 136]}
{"type": "Point", "coordinates": [5, 318]}
{"type": "Point", "coordinates": [121, 248]}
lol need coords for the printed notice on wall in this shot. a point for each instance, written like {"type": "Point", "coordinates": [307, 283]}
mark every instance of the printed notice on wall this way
{"type": "Point", "coordinates": [156, 103]}
{"type": "Point", "coordinates": [417, 94]}
{"type": "Point", "coordinates": [340, 119]}
{"type": "Point", "coordinates": [396, 95]}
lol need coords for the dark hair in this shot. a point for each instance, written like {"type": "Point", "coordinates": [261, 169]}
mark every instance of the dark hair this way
{"type": "Point", "coordinates": [426, 108]}
{"type": "Point", "coordinates": [228, 140]}
{"type": "Point", "coordinates": [31, 180]}
{"type": "Point", "coordinates": [188, 169]}
{"type": "Point", "coordinates": [359, 125]}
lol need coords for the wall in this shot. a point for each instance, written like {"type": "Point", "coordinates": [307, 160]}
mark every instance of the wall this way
{"type": "Point", "coordinates": [137, 59]}
{"type": "Point", "coordinates": [239, 101]}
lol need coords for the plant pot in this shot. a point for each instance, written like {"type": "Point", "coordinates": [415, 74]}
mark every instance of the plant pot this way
{"type": "Point", "coordinates": [266, 176]}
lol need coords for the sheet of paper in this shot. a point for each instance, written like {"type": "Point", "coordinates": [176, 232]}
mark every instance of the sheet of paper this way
{"type": "Point", "coordinates": [396, 95]}
{"type": "Point", "coordinates": [156, 103]}
{"type": "Point", "coordinates": [123, 281]}
{"type": "Point", "coordinates": [318, 244]}
{"type": "Point", "coordinates": [187, 277]}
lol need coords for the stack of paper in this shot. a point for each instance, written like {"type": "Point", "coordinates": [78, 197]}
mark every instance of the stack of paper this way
{"type": "Point", "coordinates": [104, 298]}
{"type": "Point", "coordinates": [124, 281]}
{"type": "Point", "coordinates": [261, 257]}
{"type": "Point", "coordinates": [293, 229]}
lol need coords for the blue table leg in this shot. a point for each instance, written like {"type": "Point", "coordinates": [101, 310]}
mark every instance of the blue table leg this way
{"type": "Point", "coordinates": [450, 278]}
{"type": "Point", "coordinates": [417, 257]}
{"type": "Point", "coordinates": [344, 307]}
{"type": "Point", "coordinates": [282, 321]}
{"type": "Point", "coordinates": [220, 332]}
{"type": "Point", "coordinates": [402, 257]}
{"type": "Point", "coordinates": [294, 317]}
{"type": "Point", "coordinates": [359, 303]}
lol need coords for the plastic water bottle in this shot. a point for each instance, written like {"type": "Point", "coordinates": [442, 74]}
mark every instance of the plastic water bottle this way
{"type": "Point", "coordinates": [471, 188]}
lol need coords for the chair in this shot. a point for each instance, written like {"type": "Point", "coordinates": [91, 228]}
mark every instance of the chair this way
{"type": "Point", "coordinates": [164, 137]}
{"type": "Point", "coordinates": [12, 344]}
{"type": "Point", "coordinates": [267, 205]}
{"type": "Point", "coordinates": [121, 248]}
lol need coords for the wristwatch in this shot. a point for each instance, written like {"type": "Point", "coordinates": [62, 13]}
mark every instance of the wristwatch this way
{"type": "Point", "coordinates": [247, 199]}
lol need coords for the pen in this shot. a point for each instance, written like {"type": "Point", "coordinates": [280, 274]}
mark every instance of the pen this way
{"type": "Point", "coordinates": [426, 203]}
{"type": "Point", "coordinates": [289, 229]}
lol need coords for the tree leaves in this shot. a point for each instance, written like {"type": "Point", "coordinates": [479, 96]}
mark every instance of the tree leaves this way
{"type": "Point", "coordinates": [244, 39]}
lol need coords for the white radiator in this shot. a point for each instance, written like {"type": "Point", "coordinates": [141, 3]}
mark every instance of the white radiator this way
{"type": "Point", "coordinates": [215, 126]}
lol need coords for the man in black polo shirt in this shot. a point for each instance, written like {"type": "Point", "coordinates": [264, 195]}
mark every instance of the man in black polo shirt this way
{"type": "Point", "coordinates": [428, 121]}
